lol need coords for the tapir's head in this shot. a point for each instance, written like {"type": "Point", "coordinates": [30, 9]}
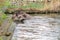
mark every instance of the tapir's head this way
{"type": "Point", "coordinates": [18, 15]}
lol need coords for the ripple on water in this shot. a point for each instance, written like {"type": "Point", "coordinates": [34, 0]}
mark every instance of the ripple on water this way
{"type": "Point", "coordinates": [38, 28]}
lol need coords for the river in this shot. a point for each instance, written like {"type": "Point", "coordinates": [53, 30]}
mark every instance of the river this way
{"type": "Point", "coordinates": [38, 28]}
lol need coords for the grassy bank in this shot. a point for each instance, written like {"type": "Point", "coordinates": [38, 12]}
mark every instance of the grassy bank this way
{"type": "Point", "coordinates": [2, 17]}
{"type": "Point", "coordinates": [1, 38]}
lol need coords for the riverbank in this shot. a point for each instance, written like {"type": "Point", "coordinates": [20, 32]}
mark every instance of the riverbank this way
{"type": "Point", "coordinates": [6, 28]}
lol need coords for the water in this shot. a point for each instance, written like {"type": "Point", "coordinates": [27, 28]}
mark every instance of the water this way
{"type": "Point", "coordinates": [38, 28]}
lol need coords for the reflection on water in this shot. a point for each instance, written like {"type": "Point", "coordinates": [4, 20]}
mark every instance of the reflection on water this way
{"type": "Point", "coordinates": [39, 28]}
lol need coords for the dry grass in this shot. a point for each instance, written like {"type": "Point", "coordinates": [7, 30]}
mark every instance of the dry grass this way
{"type": "Point", "coordinates": [53, 5]}
{"type": "Point", "coordinates": [44, 5]}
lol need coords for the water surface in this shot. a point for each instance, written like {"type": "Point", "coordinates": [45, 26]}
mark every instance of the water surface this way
{"type": "Point", "coordinates": [43, 27]}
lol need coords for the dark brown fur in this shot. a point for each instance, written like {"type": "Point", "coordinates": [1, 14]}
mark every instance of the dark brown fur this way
{"type": "Point", "coordinates": [20, 15]}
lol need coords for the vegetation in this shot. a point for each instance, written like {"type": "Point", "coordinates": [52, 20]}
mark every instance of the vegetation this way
{"type": "Point", "coordinates": [33, 5]}
{"type": "Point", "coordinates": [1, 38]}
{"type": "Point", "coordinates": [2, 17]}
{"type": "Point", "coordinates": [3, 6]}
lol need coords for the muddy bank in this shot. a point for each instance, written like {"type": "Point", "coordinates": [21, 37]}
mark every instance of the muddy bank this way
{"type": "Point", "coordinates": [32, 11]}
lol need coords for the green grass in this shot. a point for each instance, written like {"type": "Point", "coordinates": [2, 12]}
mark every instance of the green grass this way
{"type": "Point", "coordinates": [1, 38]}
{"type": "Point", "coordinates": [34, 5]}
{"type": "Point", "coordinates": [2, 18]}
